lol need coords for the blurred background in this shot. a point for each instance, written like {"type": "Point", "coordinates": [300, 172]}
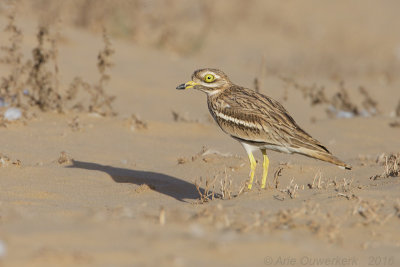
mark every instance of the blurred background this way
{"type": "Point", "coordinates": [310, 36]}
{"type": "Point", "coordinates": [271, 45]}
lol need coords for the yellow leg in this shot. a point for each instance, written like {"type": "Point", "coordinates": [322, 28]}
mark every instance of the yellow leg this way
{"type": "Point", "coordinates": [253, 164]}
{"type": "Point", "coordinates": [265, 166]}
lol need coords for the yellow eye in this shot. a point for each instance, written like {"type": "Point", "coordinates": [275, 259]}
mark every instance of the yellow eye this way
{"type": "Point", "coordinates": [209, 78]}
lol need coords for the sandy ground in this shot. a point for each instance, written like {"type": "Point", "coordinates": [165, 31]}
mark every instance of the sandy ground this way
{"type": "Point", "coordinates": [127, 197]}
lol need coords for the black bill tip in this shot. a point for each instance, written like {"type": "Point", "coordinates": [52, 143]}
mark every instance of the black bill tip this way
{"type": "Point", "coordinates": [181, 86]}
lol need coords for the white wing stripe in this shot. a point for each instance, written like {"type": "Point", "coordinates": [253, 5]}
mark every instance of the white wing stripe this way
{"type": "Point", "coordinates": [237, 121]}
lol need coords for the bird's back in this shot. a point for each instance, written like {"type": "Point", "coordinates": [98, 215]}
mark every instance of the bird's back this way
{"type": "Point", "coordinates": [257, 119]}
{"type": "Point", "coordinates": [251, 116]}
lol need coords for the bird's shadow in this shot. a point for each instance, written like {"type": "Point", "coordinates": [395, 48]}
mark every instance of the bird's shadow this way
{"type": "Point", "coordinates": [162, 183]}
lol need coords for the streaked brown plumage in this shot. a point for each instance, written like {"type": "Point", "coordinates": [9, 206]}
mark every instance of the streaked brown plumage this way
{"type": "Point", "coordinates": [255, 120]}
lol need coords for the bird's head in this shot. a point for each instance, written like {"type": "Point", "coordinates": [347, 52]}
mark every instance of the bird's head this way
{"type": "Point", "coordinates": [210, 81]}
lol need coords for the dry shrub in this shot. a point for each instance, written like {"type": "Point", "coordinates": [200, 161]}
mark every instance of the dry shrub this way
{"type": "Point", "coordinates": [227, 190]}
{"type": "Point", "coordinates": [343, 106]}
{"type": "Point", "coordinates": [100, 101]}
{"type": "Point", "coordinates": [317, 181]}
{"type": "Point", "coordinates": [340, 105]}
{"type": "Point", "coordinates": [43, 81]}
{"type": "Point", "coordinates": [208, 193]}
{"type": "Point", "coordinates": [34, 82]}
{"type": "Point", "coordinates": [226, 187]}
{"type": "Point", "coordinates": [37, 74]}
{"type": "Point", "coordinates": [369, 104]}
{"type": "Point", "coordinates": [341, 102]}
{"type": "Point", "coordinates": [292, 189]}
{"type": "Point", "coordinates": [342, 186]}
{"type": "Point", "coordinates": [391, 165]}
{"type": "Point", "coordinates": [316, 94]}
{"type": "Point", "coordinates": [12, 85]}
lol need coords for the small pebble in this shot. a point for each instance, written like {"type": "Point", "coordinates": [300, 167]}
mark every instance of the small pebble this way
{"type": "Point", "coordinates": [12, 114]}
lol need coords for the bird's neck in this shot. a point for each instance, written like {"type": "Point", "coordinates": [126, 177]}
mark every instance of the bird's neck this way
{"type": "Point", "coordinates": [217, 91]}
{"type": "Point", "coordinates": [214, 93]}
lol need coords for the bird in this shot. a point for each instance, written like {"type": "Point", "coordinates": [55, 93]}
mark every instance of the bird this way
{"type": "Point", "coordinates": [257, 121]}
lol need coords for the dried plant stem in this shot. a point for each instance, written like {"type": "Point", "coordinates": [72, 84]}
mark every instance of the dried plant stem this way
{"type": "Point", "coordinates": [208, 193]}
{"type": "Point", "coordinates": [226, 187]}
{"type": "Point", "coordinates": [35, 82]}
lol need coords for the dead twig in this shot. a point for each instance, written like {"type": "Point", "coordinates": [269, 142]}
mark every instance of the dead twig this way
{"type": "Point", "coordinates": [277, 174]}
{"type": "Point", "coordinates": [226, 187]}
{"type": "Point", "coordinates": [208, 193]}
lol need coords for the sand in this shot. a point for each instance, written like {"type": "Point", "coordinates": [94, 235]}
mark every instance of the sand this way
{"type": "Point", "coordinates": [107, 192]}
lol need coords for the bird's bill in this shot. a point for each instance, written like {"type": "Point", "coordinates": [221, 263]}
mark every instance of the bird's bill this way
{"type": "Point", "coordinates": [187, 85]}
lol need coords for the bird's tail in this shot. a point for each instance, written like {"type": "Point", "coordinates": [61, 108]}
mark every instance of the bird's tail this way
{"type": "Point", "coordinates": [324, 156]}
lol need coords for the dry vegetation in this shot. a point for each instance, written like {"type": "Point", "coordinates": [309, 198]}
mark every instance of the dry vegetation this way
{"type": "Point", "coordinates": [12, 85]}
{"type": "Point", "coordinates": [292, 189]}
{"type": "Point", "coordinates": [391, 164]}
{"type": "Point", "coordinates": [339, 105]}
{"type": "Point", "coordinates": [208, 193]}
{"type": "Point", "coordinates": [34, 82]}
{"type": "Point", "coordinates": [218, 188]}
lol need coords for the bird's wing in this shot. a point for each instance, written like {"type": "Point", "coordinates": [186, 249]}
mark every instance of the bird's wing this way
{"type": "Point", "coordinates": [258, 118]}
